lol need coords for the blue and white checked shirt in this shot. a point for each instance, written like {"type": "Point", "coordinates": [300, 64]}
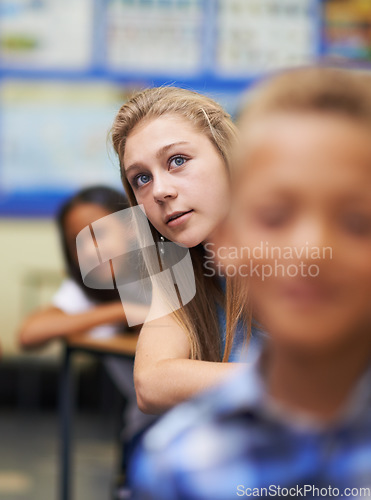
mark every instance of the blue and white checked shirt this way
{"type": "Point", "coordinates": [224, 444]}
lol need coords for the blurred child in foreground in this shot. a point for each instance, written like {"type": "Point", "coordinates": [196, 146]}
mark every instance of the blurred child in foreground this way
{"type": "Point", "coordinates": [300, 417]}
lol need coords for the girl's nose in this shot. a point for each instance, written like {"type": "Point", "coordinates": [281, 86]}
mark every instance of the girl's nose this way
{"type": "Point", "coordinates": [313, 234]}
{"type": "Point", "coordinates": [164, 188]}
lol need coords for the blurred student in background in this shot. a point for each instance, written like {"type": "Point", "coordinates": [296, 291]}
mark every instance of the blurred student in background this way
{"type": "Point", "coordinates": [299, 419]}
{"type": "Point", "coordinates": [77, 308]}
{"type": "Point", "coordinates": [174, 147]}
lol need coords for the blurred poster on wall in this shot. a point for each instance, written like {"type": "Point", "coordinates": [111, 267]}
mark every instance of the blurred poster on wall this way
{"type": "Point", "coordinates": [46, 33]}
{"type": "Point", "coordinates": [54, 136]}
{"type": "Point", "coordinates": [157, 36]}
{"type": "Point", "coordinates": [254, 36]}
{"type": "Point", "coordinates": [347, 27]}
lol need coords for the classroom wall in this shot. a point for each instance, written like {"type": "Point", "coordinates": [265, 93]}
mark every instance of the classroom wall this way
{"type": "Point", "coordinates": [30, 269]}
{"type": "Point", "coordinates": [62, 82]}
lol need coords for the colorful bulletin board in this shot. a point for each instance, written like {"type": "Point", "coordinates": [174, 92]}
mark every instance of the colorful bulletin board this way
{"type": "Point", "coordinates": [347, 29]}
{"type": "Point", "coordinates": [67, 65]}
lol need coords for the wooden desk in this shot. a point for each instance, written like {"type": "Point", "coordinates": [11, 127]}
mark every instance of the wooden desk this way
{"type": "Point", "coordinates": [119, 345]}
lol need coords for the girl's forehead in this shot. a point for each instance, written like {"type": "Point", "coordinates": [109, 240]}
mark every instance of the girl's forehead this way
{"type": "Point", "coordinates": [151, 121]}
{"type": "Point", "coordinates": [83, 215]}
{"type": "Point", "coordinates": [317, 153]}
{"type": "Point", "coordinates": [305, 134]}
{"type": "Point", "coordinates": [88, 210]}
{"type": "Point", "coordinates": [154, 137]}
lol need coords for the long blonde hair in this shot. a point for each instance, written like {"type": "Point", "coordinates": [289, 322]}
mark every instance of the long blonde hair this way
{"type": "Point", "coordinates": [199, 317]}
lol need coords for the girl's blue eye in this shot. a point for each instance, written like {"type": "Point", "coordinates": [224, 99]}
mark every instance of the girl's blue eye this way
{"type": "Point", "coordinates": [142, 179]}
{"type": "Point", "coordinates": [177, 161]}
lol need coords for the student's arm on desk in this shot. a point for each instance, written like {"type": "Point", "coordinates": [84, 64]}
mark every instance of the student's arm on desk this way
{"type": "Point", "coordinates": [163, 373]}
{"type": "Point", "coordinates": [52, 323]}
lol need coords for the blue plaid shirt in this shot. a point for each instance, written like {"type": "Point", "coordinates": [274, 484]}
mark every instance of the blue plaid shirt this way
{"type": "Point", "coordinates": [232, 443]}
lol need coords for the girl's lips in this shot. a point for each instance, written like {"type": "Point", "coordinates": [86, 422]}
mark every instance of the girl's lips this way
{"type": "Point", "coordinates": [180, 220]}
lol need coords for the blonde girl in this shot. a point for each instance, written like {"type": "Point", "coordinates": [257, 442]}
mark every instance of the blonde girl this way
{"type": "Point", "coordinates": [174, 148]}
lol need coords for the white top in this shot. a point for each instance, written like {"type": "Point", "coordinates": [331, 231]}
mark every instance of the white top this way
{"type": "Point", "coordinates": [71, 300]}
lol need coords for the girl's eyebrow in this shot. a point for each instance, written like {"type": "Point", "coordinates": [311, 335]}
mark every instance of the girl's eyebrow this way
{"type": "Point", "coordinates": [134, 166]}
{"type": "Point", "coordinates": [164, 149]}
{"type": "Point", "coordinates": [159, 154]}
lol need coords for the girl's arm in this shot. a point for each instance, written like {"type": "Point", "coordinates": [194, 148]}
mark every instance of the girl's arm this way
{"type": "Point", "coordinates": [163, 373]}
{"type": "Point", "coordinates": [52, 323]}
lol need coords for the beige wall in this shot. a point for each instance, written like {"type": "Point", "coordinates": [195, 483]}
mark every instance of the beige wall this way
{"type": "Point", "coordinates": [30, 269]}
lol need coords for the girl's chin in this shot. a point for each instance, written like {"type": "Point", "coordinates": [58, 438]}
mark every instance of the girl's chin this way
{"type": "Point", "coordinates": [185, 240]}
{"type": "Point", "coordinates": [188, 242]}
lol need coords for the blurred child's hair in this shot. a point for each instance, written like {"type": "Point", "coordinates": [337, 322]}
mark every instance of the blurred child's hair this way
{"type": "Point", "coordinates": [111, 201]}
{"type": "Point", "coordinates": [343, 92]}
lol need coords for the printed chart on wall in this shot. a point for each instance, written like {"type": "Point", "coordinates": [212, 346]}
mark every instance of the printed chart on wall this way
{"type": "Point", "coordinates": [58, 133]}
{"type": "Point", "coordinates": [46, 34]}
{"type": "Point", "coordinates": [158, 36]}
{"type": "Point", "coordinates": [259, 35]}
